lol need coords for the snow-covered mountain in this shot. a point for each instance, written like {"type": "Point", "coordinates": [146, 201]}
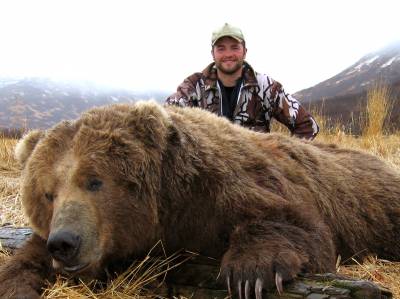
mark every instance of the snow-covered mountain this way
{"type": "Point", "coordinates": [41, 103]}
{"type": "Point", "coordinates": [382, 65]}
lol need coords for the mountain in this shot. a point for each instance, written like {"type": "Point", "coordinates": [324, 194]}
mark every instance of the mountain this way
{"type": "Point", "coordinates": [39, 103]}
{"type": "Point", "coordinates": [342, 99]}
{"type": "Point", "coordinates": [382, 65]}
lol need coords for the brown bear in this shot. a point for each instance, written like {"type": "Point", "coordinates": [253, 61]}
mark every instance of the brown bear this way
{"type": "Point", "coordinates": [106, 187]}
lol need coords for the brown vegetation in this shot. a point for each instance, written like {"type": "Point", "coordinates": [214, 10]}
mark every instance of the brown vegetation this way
{"type": "Point", "coordinates": [132, 284]}
{"type": "Point", "coordinates": [348, 112]}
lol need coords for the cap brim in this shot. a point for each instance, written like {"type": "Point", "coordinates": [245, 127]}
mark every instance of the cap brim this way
{"type": "Point", "coordinates": [227, 35]}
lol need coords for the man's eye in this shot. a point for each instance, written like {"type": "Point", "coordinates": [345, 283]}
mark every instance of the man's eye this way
{"type": "Point", "coordinates": [94, 184]}
{"type": "Point", "coordinates": [49, 197]}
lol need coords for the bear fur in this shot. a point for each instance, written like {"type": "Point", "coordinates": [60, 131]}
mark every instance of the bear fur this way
{"type": "Point", "coordinates": [106, 187]}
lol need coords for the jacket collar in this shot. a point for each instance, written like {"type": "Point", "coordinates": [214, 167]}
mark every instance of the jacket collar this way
{"type": "Point", "coordinates": [211, 78]}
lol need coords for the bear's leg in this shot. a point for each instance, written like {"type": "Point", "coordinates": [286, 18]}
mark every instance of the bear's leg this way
{"type": "Point", "coordinates": [263, 254]}
{"type": "Point", "coordinates": [23, 275]}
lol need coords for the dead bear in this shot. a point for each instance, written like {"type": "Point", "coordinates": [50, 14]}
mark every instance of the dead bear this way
{"type": "Point", "coordinates": [109, 185]}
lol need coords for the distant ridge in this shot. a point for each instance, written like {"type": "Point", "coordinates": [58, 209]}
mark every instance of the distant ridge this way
{"type": "Point", "coordinates": [39, 103]}
{"type": "Point", "coordinates": [382, 65]}
{"type": "Point", "coordinates": [342, 99]}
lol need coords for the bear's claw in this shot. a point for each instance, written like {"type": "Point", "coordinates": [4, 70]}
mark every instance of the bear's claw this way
{"type": "Point", "coordinates": [257, 288]}
{"type": "Point", "coordinates": [247, 290]}
{"type": "Point", "coordinates": [240, 289]}
{"type": "Point", "coordinates": [278, 283]}
{"type": "Point", "coordinates": [228, 285]}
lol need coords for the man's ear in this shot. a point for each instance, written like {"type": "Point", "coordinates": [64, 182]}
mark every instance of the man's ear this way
{"type": "Point", "coordinates": [26, 145]}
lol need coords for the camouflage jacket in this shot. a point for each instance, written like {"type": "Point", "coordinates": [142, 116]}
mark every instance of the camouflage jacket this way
{"type": "Point", "coordinates": [260, 98]}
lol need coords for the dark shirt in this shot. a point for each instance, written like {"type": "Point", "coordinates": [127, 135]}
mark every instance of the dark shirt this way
{"type": "Point", "coordinates": [230, 96]}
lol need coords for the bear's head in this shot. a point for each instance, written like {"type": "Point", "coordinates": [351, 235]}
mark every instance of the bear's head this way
{"type": "Point", "coordinates": [91, 187]}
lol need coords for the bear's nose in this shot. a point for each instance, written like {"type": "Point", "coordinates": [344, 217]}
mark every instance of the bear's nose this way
{"type": "Point", "coordinates": [63, 245]}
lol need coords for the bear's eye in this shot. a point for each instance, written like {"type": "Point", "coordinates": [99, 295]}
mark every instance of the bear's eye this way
{"type": "Point", "coordinates": [49, 197]}
{"type": "Point", "coordinates": [94, 184]}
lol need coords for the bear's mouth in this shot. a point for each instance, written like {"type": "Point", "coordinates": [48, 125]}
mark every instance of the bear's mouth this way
{"type": "Point", "coordinates": [57, 265]}
{"type": "Point", "coordinates": [75, 268]}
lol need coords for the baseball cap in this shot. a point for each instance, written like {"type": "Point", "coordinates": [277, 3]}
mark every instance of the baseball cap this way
{"type": "Point", "coordinates": [227, 30]}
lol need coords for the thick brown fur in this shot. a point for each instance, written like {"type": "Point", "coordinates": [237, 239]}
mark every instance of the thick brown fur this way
{"type": "Point", "coordinates": [122, 177]}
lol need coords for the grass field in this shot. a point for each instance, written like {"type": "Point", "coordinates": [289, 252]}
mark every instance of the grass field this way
{"type": "Point", "coordinates": [374, 139]}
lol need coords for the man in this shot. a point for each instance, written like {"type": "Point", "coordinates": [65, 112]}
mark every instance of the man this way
{"type": "Point", "coordinates": [230, 87]}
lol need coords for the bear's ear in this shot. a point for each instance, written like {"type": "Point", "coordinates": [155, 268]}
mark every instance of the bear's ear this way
{"type": "Point", "coordinates": [151, 122]}
{"type": "Point", "coordinates": [174, 135]}
{"type": "Point", "coordinates": [26, 145]}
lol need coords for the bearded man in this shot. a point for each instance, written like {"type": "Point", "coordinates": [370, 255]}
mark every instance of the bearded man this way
{"type": "Point", "coordinates": [231, 88]}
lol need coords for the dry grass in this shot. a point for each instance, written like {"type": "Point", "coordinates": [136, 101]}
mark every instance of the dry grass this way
{"type": "Point", "coordinates": [383, 272]}
{"type": "Point", "coordinates": [144, 279]}
{"type": "Point", "coordinates": [378, 109]}
{"type": "Point", "coordinates": [140, 278]}
{"type": "Point", "coordinates": [8, 165]}
{"type": "Point", "coordinates": [10, 206]}
{"type": "Point", "coordinates": [374, 138]}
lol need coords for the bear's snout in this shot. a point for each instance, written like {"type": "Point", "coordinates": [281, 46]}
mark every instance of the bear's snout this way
{"type": "Point", "coordinates": [64, 245]}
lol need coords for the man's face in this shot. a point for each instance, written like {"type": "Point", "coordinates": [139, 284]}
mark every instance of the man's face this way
{"type": "Point", "coordinates": [229, 55]}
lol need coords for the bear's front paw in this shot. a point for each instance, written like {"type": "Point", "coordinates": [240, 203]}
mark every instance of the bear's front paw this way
{"type": "Point", "coordinates": [250, 272]}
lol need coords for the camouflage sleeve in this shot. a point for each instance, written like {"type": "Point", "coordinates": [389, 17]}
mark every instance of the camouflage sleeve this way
{"type": "Point", "coordinates": [289, 111]}
{"type": "Point", "coordinates": [187, 93]}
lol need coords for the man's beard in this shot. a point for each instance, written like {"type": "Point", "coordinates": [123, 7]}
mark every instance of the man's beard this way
{"type": "Point", "coordinates": [238, 65]}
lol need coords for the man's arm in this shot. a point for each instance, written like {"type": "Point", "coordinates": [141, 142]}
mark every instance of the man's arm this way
{"type": "Point", "coordinates": [289, 111]}
{"type": "Point", "coordinates": [187, 93]}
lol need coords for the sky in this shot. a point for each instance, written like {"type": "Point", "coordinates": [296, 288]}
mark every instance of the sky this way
{"type": "Point", "coordinates": [155, 44]}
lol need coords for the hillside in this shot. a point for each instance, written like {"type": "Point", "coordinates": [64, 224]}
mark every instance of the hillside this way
{"type": "Point", "coordinates": [382, 65]}
{"type": "Point", "coordinates": [342, 98]}
{"type": "Point", "coordinates": [41, 103]}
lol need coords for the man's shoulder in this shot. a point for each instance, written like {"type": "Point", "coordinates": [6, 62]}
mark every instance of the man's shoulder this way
{"type": "Point", "coordinates": [195, 77]}
{"type": "Point", "coordinates": [252, 75]}
{"type": "Point", "coordinates": [209, 74]}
